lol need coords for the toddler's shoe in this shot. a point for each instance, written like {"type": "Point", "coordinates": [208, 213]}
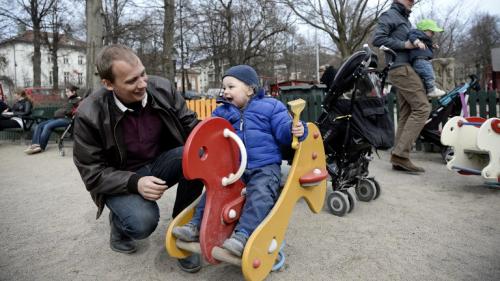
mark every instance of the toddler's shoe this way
{"type": "Point", "coordinates": [188, 232]}
{"type": "Point", "coordinates": [436, 93]}
{"type": "Point", "coordinates": [235, 244]}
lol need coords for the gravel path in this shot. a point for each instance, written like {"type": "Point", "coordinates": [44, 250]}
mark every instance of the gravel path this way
{"type": "Point", "coordinates": [437, 226]}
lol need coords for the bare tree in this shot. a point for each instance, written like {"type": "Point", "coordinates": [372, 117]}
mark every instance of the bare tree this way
{"type": "Point", "coordinates": [475, 46]}
{"type": "Point", "coordinates": [55, 24]}
{"type": "Point", "coordinates": [253, 27]}
{"type": "Point", "coordinates": [236, 32]}
{"type": "Point", "coordinates": [168, 39]}
{"type": "Point", "coordinates": [113, 14]}
{"type": "Point", "coordinates": [36, 10]}
{"type": "Point", "coordinates": [95, 36]}
{"type": "Point", "coordinates": [5, 26]}
{"type": "Point", "coordinates": [348, 23]}
{"type": "Point", "coordinates": [210, 34]}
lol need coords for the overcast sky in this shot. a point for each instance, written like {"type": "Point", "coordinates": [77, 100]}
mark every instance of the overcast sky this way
{"type": "Point", "coordinates": [468, 7]}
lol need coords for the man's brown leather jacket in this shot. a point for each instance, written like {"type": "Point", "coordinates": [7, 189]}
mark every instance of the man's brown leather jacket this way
{"type": "Point", "coordinates": [99, 152]}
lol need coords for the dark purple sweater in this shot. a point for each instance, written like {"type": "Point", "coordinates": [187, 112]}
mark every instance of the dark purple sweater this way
{"type": "Point", "coordinates": [143, 132]}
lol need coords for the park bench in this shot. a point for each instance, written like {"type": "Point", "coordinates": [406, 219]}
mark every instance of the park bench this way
{"type": "Point", "coordinates": [36, 116]}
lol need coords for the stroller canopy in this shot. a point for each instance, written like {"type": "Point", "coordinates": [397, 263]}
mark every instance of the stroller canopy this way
{"type": "Point", "coordinates": [344, 80]}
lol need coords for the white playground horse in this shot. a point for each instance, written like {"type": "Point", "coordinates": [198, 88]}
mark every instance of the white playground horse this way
{"type": "Point", "coordinates": [476, 143]}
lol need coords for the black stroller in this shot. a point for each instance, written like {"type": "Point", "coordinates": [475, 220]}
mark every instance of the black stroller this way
{"type": "Point", "coordinates": [354, 120]}
{"type": "Point", "coordinates": [453, 103]}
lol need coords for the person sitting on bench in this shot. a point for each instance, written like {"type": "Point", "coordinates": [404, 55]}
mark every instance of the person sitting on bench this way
{"type": "Point", "coordinates": [62, 119]}
{"type": "Point", "coordinates": [12, 117]}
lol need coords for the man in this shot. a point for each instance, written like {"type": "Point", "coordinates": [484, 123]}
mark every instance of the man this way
{"type": "Point", "coordinates": [414, 108]}
{"type": "Point", "coordinates": [128, 148]}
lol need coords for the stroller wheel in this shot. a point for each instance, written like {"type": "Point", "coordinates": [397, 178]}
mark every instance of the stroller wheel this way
{"type": "Point", "coordinates": [377, 187]}
{"type": "Point", "coordinates": [351, 198]}
{"type": "Point", "coordinates": [338, 203]}
{"type": "Point", "coordinates": [366, 190]}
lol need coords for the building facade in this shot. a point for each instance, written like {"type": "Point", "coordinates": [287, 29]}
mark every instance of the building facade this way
{"type": "Point", "coordinates": [18, 68]}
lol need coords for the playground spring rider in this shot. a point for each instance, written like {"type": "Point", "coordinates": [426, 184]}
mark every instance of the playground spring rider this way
{"type": "Point", "coordinates": [211, 155]}
{"type": "Point", "coordinates": [476, 146]}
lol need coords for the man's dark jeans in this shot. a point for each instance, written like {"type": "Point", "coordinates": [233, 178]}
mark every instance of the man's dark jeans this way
{"type": "Point", "coordinates": [137, 217]}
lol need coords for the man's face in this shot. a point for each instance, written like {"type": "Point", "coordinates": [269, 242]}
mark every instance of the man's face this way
{"type": "Point", "coordinates": [407, 3]}
{"type": "Point", "coordinates": [130, 81]}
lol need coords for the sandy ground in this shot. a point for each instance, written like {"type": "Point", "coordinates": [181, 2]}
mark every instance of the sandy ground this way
{"type": "Point", "coordinates": [437, 226]}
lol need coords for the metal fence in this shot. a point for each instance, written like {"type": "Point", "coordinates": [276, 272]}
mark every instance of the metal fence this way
{"type": "Point", "coordinates": [484, 104]}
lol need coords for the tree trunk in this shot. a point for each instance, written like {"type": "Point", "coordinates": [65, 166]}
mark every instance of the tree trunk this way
{"type": "Point", "coordinates": [95, 35]}
{"type": "Point", "coordinates": [55, 64]}
{"type": "Point", "coordinates": [37, 56]}
{"type": "Point", "coordinates": [168, 40]}
{"type": "Point", "coordinates": [229, 29]}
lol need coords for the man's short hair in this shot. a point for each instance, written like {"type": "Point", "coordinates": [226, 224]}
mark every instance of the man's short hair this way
{"type": "Point", "coordinates": [72, 88]}
{"type": "Point", "coordinates": [110, 53]}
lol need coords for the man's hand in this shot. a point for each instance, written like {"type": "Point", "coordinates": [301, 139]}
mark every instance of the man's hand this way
{"type": "Point", "coordinates": [151, 188]}
{"type": "Point", "coordinates": [409, 45]}
{"type": "Point", "coordinates": [298, 129]}
{"type": "Point", "coordinates": [417, 44]}
{"type": "Point", "coordinates": [421, 45]}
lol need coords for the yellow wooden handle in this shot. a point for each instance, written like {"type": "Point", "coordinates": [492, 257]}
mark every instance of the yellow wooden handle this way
{"type": "Point", "coordinates": [296, 107]}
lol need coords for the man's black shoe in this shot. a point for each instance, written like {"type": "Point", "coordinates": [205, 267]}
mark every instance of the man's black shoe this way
{"type": "Point", "coordinates": [190, 264]}
{"type": "Point", "coordinates": [119, 242]}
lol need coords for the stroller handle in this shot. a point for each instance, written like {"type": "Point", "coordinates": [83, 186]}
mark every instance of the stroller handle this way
{"type": "Point", "coordinates": [389, 52]}
{"type": "Point", "coordinates": [366, 61]}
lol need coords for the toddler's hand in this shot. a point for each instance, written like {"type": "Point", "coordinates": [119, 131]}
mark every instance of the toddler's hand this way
{"type": "Point", "coordinates": [421, 46]}
{"type": "Point", "coordinates": [298, 130]}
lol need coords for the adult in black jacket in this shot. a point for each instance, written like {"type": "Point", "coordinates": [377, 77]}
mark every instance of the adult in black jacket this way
{"type": "Point", "coordinates": [128, 148]}
{"type": "Point", "coordinates": [414, 108]}
{"type": "Point", "coordinates": [62, 119]}
{"type": "Point", "coordinates": [3, 106]}
{"type": "Point", "coordinates": [12, 117]}
{"type": "Point", "coordinates": [328, 76]}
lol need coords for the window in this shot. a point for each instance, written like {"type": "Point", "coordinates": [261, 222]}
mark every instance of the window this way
{"type": "Point", "coordinates": [80, 60]}
{"type": "Point", "coordinates": [65, 60]}
{"type": "Point", "coordinates": [27, 82]}
{"type": "Point", "coordinates": [80, 78]}
{"type": "Point", "coordinates": [51, 77]}
{"type": "Point", "coordinates": [66, 77]}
